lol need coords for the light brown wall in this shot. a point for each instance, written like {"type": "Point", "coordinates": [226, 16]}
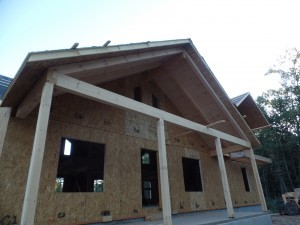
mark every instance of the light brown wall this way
{"type": "Point", "coordinates": [82, 119]}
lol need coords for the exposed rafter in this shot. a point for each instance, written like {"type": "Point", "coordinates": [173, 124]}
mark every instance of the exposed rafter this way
{"type": "Point", "coordinates": [213, 94]}
{"type": "Point", "coordinates": [110, 62]}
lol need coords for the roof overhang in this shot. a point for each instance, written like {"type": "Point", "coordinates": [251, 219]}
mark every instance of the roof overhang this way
{"type": "Point", "coordinates": [175, 66]}
{"type": "Point", "coordinates": [250, 111]}
{"type": "Point", "coordinates": [244, 157]}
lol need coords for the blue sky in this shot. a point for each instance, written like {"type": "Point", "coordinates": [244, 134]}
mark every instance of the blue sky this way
{"type": "Point", "coordinates": [240, 40]}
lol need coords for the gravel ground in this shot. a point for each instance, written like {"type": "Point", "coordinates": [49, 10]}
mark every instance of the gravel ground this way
{"type": "Point", "coordinates": [285, 220]}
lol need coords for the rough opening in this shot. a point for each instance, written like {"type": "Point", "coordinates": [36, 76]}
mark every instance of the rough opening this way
{"type": "Point", "coordinates": [80, 166]}
{"type": "Point", "coordinates": [149, 178]}
{"type": "Point", "coordinates": [192, 175]}
{"type": "Point", "coordinates": [245, 179]}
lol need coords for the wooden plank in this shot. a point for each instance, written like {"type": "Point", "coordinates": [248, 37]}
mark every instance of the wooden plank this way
{"type": "Point", "coordinates": [110, 62]}
{"type": "Point", "coordinates": [4, 118]}
{"type": "Point", "coordinates": [213, 94]}
{"type": "Point", "coordinates": [32, 99]}
{"type": "Point", "coordinates": [225, 184]}
{"type": "Point", "coordinates": [32, 187]}
{"type": "Point", "coordinates": [257, 181]}
{"type": "Point", "coordinates": [233, 148]}
{"type": "Point", "coordinates": [258, 157]}
{"type": "Point", "coordinates": [163, 169]}
{"type": "Point", "coordinates": [247, 155]}
{"type": "Point", "coordinates": [60, 54]}
{"type": "Point", "coordinates": [89, 91]}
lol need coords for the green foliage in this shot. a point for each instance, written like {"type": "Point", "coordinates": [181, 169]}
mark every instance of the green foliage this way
{"type": "Point", "coordinates": [275, 205]}
{"type": "Point", "coordinates": [281, 143]}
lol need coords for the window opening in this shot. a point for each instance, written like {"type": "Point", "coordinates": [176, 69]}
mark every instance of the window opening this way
{"type": "Point", "coordinates": [149, 178]}
{"type": "Point", "coordinates": [191, 175]}
{"type": "Point", "coordinates": [137, 95]}
{"type": "Point", "coordinates": [154, 101]}
{"type": "Point", "coordinates": [80, 166]}
{"type": "Point", "coordinates": [245, 179]}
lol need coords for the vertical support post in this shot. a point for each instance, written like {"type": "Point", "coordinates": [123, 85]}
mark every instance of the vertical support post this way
{"type": "Point", "coordinates": [225, 184]}
{"type": "Point", "coordinates": [4, 118]}
{"type": "Point", "coordinates": [257, 181]}
{"type": "Point", "coordinates": [163, 169]}
{"type": "Point", "coordinates": [33, 181]}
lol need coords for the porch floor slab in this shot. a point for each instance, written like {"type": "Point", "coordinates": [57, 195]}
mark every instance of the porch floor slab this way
{"type": "Point", "coordinates": [243, 216]}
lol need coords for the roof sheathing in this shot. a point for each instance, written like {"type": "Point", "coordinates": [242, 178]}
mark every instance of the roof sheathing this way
{"type": "Point", "coordinates": [37, 63]}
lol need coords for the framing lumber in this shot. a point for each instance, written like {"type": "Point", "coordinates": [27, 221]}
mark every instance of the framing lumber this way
{"type": "Point", "coordinates": [4, 119]}
{"type": "Point", "coordinates": [110, 62]}
{"type": "Point", "coordinates": [33, 180]}
{"type": "Point", "coordinates": [89, 91]}
{"type": "Point", "coordinates": [163, 169]}
{"type": "Point", "coordinates": [196, 70]}
{"type": "Point", "coordinates": [257, 181]}
{"type": "Point", "coordinates": [32, 99]}
{"type": "Point", "coordinates": [247, 154]}
{"type": "Point", "coordinates": [233, 148]}
{"type": "Point", "coordinates": [225, 184]}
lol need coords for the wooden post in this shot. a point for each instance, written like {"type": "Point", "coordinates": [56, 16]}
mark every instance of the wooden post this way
{"type": "Point", "coordinates": [33, 180]}
{"type": "Point", "coordinates": [4, 118]}
{"type": "Point", "coordinates": [225, 184]}
{"type": "Point", "coordinates": [163, 169]}
{"type": "Point", "coordinates": [257, 181]}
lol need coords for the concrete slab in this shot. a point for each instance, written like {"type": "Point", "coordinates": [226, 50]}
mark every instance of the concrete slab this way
{"type": "Point", "coordinates": [243, 216]}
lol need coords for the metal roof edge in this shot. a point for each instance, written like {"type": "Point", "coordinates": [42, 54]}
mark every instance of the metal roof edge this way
{"type": "Point", "coordinates": [244, 96]}
{"type": "Point", "coordinates": [65, 53]}
{"type": "Point", "coordinates": [16, 76]}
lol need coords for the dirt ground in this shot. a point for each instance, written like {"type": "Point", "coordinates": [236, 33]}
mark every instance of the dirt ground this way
{"type": "Point", "coordinates": [285, 220]}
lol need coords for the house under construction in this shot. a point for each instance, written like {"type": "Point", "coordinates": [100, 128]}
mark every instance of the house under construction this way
{"type": "Point", "coordinates": [90, 135]}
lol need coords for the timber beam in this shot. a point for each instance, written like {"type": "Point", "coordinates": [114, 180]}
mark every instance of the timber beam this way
{"type": "Point", "coordinates": [197, 71]}
{"type": "Point", "coordinates": [32, 99]}
{"type": "Point", "coordinates": [98, 94]}
{"type": "Point", "coordinates": [233, 148]}
{"type": "Point", "coordinates": [115, 61]}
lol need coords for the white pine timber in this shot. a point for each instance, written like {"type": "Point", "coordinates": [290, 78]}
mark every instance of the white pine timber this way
{"type": "Point", "coordinates": [32, 99]}
{"type": "Point", "coordinates": [89, 91]}
{"type": "Point", "coordinates": [60, 54]}
{"type": "Point", "coordinates": [33, 180]}
{"type": "Point", "coordinates": [115, 61]}
{"type": "Point", "coordinates": [257, 181]}
{"type": "Point", "coordinates": [233, 148]}
{"type": "Point", "coordinates": [4, 119]}
{"type": "Point", "coordinates": [225, 184]}
{"type": "Point", "coordinates": [213, 94]}
{"type": "Point", "coordinates": [163, 169]}
{"type": "Point", "coordinates": [247, 154]}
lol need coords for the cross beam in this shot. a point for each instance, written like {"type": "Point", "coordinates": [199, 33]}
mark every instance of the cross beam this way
{"type": "Point", "coordinates": [92, 92]}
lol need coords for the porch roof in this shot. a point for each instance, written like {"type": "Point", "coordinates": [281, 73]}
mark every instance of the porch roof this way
{"type": "Point", "coordinates": [175, 66]}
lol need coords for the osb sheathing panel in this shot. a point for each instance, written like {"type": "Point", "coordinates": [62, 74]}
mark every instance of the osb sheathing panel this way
{"type": "Point", "coordinates": [4, 118]}
{"type": "Point", "coordinates": [82, 119]}
{"type": "Point", "coordinates": [14, 165]}
{"type": "Point", "coordinates": [238, 193]}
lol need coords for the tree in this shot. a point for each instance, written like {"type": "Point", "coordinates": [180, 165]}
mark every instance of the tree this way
{"type": "Point", "coordinates": [281, 143]}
